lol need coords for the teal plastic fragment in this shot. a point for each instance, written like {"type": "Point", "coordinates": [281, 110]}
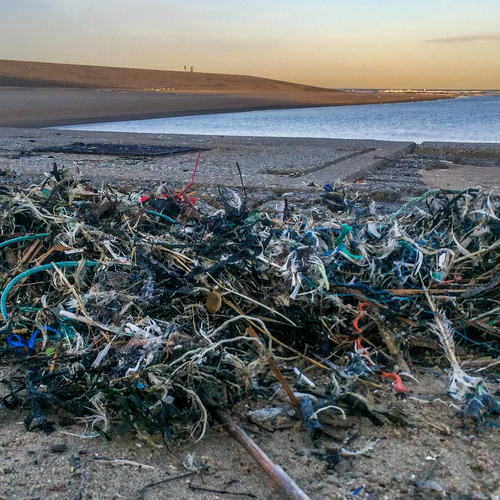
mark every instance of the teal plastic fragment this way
{"type": "Point", "coordinates": [437, 276]}
{"type": "Point", "coordinates": [351, 255]}
{"type": "Point", "coordinates": [346, 229]}
{"type": "Point", "coordinates": [162, 216]}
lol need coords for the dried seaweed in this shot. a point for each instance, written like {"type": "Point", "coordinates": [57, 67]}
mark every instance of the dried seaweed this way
{"type": "Point", "coordinates": [130, 310]}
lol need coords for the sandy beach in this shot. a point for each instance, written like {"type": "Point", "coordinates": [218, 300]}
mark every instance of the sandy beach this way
{"type": "Point", "coordinates": [47, 107]}
{"type": "Point", "coordinates": [44, 95]}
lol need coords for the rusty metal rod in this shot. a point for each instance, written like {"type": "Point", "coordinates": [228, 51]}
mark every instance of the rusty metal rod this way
{"type": "Point", "coordinates": [274, 471]}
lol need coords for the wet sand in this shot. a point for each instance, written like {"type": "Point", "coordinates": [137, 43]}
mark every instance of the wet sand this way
{"type": "Point", "coordinates": [46, 107]}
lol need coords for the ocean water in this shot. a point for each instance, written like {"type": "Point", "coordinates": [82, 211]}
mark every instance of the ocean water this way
{"type": "Point", "coordinates": [465, 119]}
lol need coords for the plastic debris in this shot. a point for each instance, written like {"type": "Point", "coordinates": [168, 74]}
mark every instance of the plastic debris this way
{"type": "Point", "coordinates": [137, 307]}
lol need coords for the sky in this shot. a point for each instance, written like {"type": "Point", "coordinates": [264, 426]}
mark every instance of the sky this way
{"type": "Point", "coordinates": [330, 43]}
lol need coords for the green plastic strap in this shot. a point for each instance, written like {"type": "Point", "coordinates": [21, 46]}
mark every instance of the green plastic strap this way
{"type": "Point", "coordinates": [34, 270]}
{"type": "Point", "coordinates": [414, 201]}
{"type": "Point", "coordinates": [23, 238]}
{"type": "Point", "coordinates": [162, 216]}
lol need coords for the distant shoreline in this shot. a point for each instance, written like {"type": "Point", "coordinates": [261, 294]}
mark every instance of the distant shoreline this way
{"type": "Point", "coordinates": [50, 107]}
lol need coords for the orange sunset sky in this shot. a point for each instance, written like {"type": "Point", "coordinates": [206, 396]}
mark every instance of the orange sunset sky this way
{"type": "Point", "coordinates": [330, 43]}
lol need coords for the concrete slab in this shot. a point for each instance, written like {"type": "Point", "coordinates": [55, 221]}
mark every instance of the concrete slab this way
{"type": "Point", "coordinates": [390, 171]}
{"type": "Point", "coordinates": [461, 165]}
{"type": "Point", "coordinates": [460, 149]}
{"type": "Point", "coordinates": [278, 164]}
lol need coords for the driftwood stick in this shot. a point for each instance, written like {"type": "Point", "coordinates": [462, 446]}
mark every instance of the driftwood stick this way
{"type": "Point", "coordinates": [274, 471]}
{"type": "Point", "coordinates": [391, 345]}
{"type": "Point", "coordinates": [275, 369]}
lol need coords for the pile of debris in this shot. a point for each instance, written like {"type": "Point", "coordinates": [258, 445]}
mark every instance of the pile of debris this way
{"type": "Point", "coordinates": [154, 311]}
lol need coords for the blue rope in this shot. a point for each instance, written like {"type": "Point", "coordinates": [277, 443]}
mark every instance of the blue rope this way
{"type": "Point", "coordinates": [29, 272]}
{"type": "Point", "coordinates": [18, 342]}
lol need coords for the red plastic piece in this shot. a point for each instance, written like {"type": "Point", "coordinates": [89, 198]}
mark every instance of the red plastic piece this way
{"type": "Point", "coordinates": [362, 312]}
{"type": "Point", "coordinates": [397, 384]}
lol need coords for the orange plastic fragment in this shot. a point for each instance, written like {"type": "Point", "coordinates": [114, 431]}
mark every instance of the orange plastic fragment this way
{"type": "Point", "coordinates": [362, 312]}
{"type": "Point", "coordinates": [397, 384]}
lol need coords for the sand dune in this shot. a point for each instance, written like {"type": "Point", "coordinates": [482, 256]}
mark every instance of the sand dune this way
{"type": "Point", "coordinates": [36, 74]}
